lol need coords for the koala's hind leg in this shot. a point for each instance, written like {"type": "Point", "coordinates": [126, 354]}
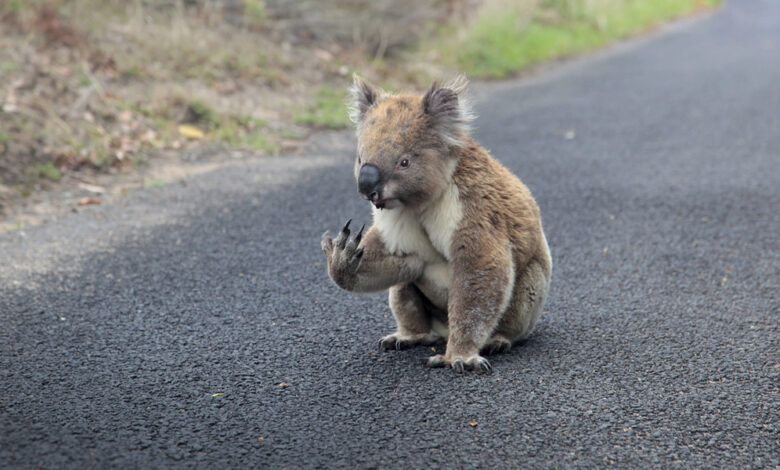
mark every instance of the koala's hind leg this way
{"type": "Point", "coordinates": [496, 344]}
{"type": "Point", "coordinates": [413, 318]}
{"type": "Point", "coordinates": [527, 301]}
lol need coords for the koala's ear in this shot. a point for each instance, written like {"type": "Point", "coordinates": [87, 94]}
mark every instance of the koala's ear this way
{"type": "Point", "coordinates": [364, 95]}
{"type": "Point", "coordinates": [449, 110]}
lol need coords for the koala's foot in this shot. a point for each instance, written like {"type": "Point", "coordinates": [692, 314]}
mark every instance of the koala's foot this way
{"type": "Point", "coordinates": [476, 363]}
{"type": "Point", "coordinates": [343, 256]}
{"type": "Point", "coordinates": [496, 344]}
{"type": "Point", "coordinates": [400, 341]}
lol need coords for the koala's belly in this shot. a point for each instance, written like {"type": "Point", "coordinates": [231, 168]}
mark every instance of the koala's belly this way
{"type": "Point", "coordinates": [435, 283]}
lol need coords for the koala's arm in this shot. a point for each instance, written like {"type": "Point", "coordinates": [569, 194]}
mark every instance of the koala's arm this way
{"type": "Point", "coordinates": [363, 264]}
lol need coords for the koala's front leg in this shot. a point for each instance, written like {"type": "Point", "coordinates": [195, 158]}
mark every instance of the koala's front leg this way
{"type": "Point", "coordinates": [412, 318]}
{"type": "Point", "coordinates": [363, 264]}
{"type": "Point", "coordinates": [479, 295]}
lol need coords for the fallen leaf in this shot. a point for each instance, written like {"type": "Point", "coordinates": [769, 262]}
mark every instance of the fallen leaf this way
{"type": "Point", "coordinates": [472, 423]}
{"type": "Point", "coordinates": [218, 394]}
{"type": "Point", "coordinates": [92, 188]}
{"type": "Point", "coordinates": [260, 438]}
{"type": "Point", "coordinates": [605, 250]}
{"type": "Point", "coordinates": [191, 132]}
{"type": "Point", "coordinates": [283, 384]}
{"type": "Point", "coordinates": [88, 200]}
{"type": "Point", "coordinates": [570, 134]}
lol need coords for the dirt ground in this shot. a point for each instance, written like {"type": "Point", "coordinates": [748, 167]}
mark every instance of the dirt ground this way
{"type": "Point", "coordinates": [103, 94]}
{"type": "Point", "coordinates": [102, 97]}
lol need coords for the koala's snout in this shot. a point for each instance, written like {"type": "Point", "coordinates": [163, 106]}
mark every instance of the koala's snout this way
{"type": "Point", "coordinates": [368, 182]}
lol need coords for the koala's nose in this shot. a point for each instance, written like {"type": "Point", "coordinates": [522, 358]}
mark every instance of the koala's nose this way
{"type": "Point", "coordinates": [368, 180]}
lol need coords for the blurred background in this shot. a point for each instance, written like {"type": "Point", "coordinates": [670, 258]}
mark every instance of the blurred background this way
{"type": "Point", "coordinates": [98, 87]}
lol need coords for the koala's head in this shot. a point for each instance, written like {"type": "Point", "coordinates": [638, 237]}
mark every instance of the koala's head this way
{"type": "Point", "coordinates": [406, 143]}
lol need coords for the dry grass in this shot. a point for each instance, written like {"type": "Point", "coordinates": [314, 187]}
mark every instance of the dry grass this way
{"type": "Point", "coordinates": [91, 85]}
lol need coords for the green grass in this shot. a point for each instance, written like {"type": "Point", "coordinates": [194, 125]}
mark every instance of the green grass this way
{"type": "Point", "coordinates": [8, 66]}
{"type": "Point", "coordinates": [48, 171]}
{"type": "Point", "coordinates": [235, 130]}
{"type": "Point", "coordinates": [242, 133]}
{"type": "Point", "coordinates": [329, 110]}
{"type": "Point", "coordinates": [154, 182]}
{"type": "Point", "coordinates": [255, 9]}
{"type": "Point", "coordinates": [500, 42]}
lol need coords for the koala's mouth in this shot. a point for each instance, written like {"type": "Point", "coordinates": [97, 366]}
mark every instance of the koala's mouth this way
{"type": "Point", "coordinates": [385, 203]}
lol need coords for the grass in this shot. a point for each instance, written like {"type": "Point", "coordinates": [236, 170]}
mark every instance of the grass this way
{"type": "Point", "coordinates": [502, 40]}
{"type": "Point", "coordinates": [115, 98]}
{"type": "Point", "coordinates": [119, 96]}
{"type": "Point", "coordinates": [48, 171]}
{"type": "Point", "coordinates": [235, 130]}
{"type": "Point", "coordinates": [328, 110]}
{"type": "Point", "coordinates": [154, 182]}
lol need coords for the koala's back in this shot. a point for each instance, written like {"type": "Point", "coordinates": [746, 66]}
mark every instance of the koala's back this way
{"type": "Point", "coordinates": [498, 210]}
{"type": "Point", "coordinates": [495, 202]}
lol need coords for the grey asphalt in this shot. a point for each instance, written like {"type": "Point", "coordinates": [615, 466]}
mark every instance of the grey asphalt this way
{"type": "Point", "coordinates": [193, 326]}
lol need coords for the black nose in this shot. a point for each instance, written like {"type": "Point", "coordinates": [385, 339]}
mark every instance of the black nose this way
{"type": "Point", "coordinates": [368, 180]}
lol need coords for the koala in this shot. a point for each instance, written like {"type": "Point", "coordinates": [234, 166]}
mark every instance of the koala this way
{"type": "Point", "coordinates": [456, 237]}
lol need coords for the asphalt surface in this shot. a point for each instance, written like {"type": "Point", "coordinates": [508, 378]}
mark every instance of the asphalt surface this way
{"type": "Point", "coordinates": [194, 326]}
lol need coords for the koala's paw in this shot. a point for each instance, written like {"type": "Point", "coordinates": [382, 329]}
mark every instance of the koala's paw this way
{"type": "Point", "coordinates": [343, 255]}
{"type": "Point", "coordinates": [476, 363]}
{"type": "Point", "coordinates": [399, 341]}
{"type": "Point", "coordinates": [496, 344]}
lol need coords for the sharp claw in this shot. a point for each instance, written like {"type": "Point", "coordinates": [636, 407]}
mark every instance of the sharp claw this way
{"type": "Point", "coordinates": [457, 366]}
{"type": "Point", "coordinates": [359, 253]}
{"type": "Point", "coordinates": [397, 345]}
{"type": "Point", "coordinates": [384, 344]}
{"type": "Point", "coordinates": [343, 236]}
{"type": "Point", "coordinates": [359, 235]}
{"type": "Point", "coordinates": [486, 367]}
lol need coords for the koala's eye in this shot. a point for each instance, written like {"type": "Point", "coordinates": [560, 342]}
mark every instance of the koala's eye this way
{"type": "Point", "coordinates": [404, 163]}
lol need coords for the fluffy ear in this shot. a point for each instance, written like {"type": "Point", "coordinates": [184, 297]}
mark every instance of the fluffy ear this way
{"type": "Point", "coordinates": [363, 96]}
{"type": "Point", "coordinates": [449, 110]}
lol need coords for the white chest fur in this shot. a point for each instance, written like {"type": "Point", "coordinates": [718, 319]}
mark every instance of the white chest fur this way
{"type": "Point", "coordinates": [441, 219]}
{"type": "Point", "coordinates": [402, 233]}
{"type": "Point", "coordinates": [427, 234]}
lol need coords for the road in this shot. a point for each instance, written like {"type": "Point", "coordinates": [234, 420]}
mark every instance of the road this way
{"type": "Point", "coordinates": [193, 326]}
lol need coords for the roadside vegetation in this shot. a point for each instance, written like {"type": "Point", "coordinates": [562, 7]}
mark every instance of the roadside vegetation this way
{"type": "Point", "coordinates": [507, 36]}
{"type": "Point", "coordinates": [103, 85]}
